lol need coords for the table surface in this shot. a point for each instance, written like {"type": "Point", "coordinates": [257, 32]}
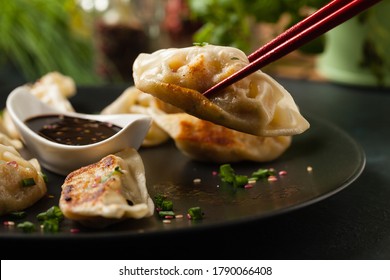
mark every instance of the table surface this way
{"type": "Point", "coordinates": [352, 224]}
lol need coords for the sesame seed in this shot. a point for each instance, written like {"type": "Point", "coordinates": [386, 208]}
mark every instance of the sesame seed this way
{"type": "Point", "coordinates": [166, 221]}
{"type": "Point", "coordinates": [309, 169]}
{"type": "Point", "coordinates": [272, 179]}
{"type": "Point", "coordinates": [197, 181]}
{"type": "Point", "coordinates": [180, 216]}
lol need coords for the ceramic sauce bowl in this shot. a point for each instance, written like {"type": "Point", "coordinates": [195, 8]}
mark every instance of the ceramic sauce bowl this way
{"type": "Point", "coordinates": [64, 158]}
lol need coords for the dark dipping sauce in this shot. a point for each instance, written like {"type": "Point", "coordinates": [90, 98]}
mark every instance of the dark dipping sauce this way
{"type": "Point", "coordinates": [71, 130]}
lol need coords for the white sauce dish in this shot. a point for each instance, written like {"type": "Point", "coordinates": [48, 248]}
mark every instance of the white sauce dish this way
{"type": "Point", "coordinates": [63, 158]}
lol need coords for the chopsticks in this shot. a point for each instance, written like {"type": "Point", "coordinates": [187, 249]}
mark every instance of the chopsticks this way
{"type": "Point", "coordinates": [321, 21]}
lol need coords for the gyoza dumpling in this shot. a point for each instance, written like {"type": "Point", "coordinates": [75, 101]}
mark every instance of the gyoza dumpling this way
{"type": "Point", "coordinates": [53, 89]}
{"type": "Point", "coordinates": [7, 141]}
{"type": "Point", "coordinates": [134, 101]}
{"type": "Point", "coordinates": [256, 104]}
{"type": "Point", "coordinates": [107, 191]}
{"type": "Point", "coordinates": [206, 141]}
{"type": "Point", "coordinates": [21, 181]}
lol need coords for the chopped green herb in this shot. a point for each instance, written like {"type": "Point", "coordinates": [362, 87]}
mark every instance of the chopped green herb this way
{"type": "Point", "coordinates": [234, 58]}
{"type": "Point", "coordinates": [159, 199]}
{"type": "Point", "coordinates": [53, 212]}
{"type": "Point", "coordinates": [26, 226]}
{"type": "Point", "coordinates": [51, 219]}
{"type": "Point", "coordinates": [263, 173]}
{"type": "Point", "coordinates": [45, 179]}
{"type": "Point", "coordinates": [163, 214]}
{"type": "Point", "coordinates": [202, 44]}
{"type": "Point", "coordinates": [228, 175]}
{"type": "Point", "coordinates": [195, 213]}
{"type": "Point", "coordinates": [18, 214]}
{"type": "Point", "coordinates": [167, 205]}
{"type": "Point", "coordinates": [117, 171]}
{"type": "Point", "coordinates": [162, 203]}
{"type": "Point", "coordinates": [51, 225]}
{"type": "Point", "coordinates": [28, 182]}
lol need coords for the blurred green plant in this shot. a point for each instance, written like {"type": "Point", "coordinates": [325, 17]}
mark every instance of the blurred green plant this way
{"type": "Point", "coordinates": [40, 36]}
{"type": "Point", "coordinates": [227, 22]}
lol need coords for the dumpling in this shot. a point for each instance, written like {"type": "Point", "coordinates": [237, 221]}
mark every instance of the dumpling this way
{"type": "Point", "coordinates": [7, 141]}
{"type": "Point", "coordinates": [206, 141]}
{"type": "Point", "coordinates": [21, 181]}
{"type": "Point", "coordinates": [53, 89]}
{"type": "Point", "coordinates": [256, 104]}
{"type": "Point", "coordinates": [107, 191]}
{"type": "Point", "coordinates": [134, 101]}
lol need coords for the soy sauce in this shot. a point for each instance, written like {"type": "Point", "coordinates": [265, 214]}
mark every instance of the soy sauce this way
{"type": "Point", "coordinates": [71, 130]}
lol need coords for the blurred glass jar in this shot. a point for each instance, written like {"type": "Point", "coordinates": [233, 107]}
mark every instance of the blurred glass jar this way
{"type": "Point", "coordinates": [122, 29]}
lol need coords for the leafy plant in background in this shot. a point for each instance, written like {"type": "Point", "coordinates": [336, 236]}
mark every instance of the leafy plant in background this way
{"type": "Point", "coordinates": [39, 36]}
{"type": "Point", "coordinates": [375, 45]}
{"type": "Point", "coordinates": [228, 22]}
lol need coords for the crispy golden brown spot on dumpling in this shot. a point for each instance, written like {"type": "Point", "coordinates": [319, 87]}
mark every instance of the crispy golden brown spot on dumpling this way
{"type": "Point", "coordinates": [107, 191]}
{"type": "Point", "coordinates": [256, 104]}
{"type": "Point", "coordinates": [206, 141]}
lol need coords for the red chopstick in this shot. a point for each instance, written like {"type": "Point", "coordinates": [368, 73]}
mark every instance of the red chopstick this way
{"type": "Point", "coordinates": [323, 20]}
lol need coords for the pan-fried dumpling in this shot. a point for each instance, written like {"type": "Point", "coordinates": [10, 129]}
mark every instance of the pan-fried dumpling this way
{"type": "Point", "coordinates": [21, 181]}
{"type": "Point", "coordinates": [134, 101]}
{"type": "Point", "coordinates": [107, 191]}
{"type": "Point", "coordinates": [206, 141]}
{"type": "Point", "coordinates": [256, 104]}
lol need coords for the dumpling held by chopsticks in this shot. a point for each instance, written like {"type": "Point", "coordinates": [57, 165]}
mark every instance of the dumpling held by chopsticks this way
{"type": "Point", "coordinates": [257, 104]}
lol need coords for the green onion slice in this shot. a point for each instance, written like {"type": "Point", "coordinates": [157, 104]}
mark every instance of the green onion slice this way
{"type": "Point", "coordinates": [28, 182]}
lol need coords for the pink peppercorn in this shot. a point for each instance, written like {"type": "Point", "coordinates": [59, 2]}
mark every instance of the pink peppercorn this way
{"type": "Point", "coordinates": [282, 172]}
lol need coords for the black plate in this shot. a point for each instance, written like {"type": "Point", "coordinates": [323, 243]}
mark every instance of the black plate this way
{"type": "Point", "coordinates": [337, 160]}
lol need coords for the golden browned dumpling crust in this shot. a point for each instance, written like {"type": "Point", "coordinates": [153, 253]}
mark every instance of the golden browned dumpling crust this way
{"type": "Point", "coordinates": [107, 191]}
{"type": "Point", "coordinates": [206, 141]}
